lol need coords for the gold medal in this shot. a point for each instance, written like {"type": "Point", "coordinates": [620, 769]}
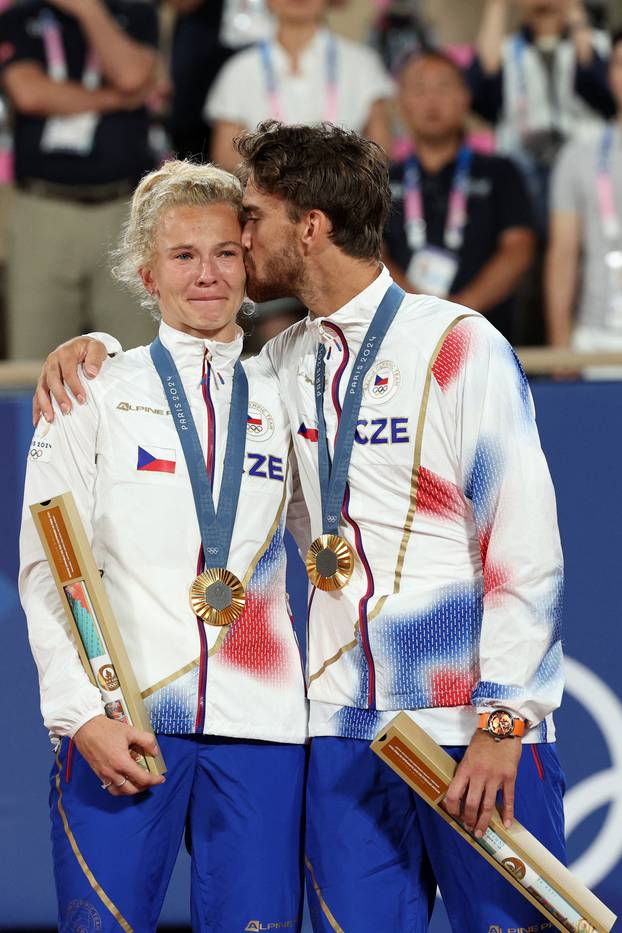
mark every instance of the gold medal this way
{"type": "Point", "coordinates": [330, 562]}
{"type": "Point", "coordinates": [217, 596]}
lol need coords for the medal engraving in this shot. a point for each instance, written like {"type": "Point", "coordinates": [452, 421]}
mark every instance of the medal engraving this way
{"type": "Point", "coordinates": [330, 562]}
{"type": "Point", "coordinates": [326, 562]}
{"type": "Point", "coordinates": [217, 596]}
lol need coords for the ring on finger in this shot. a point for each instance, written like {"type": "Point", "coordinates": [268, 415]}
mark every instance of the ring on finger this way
{"type": "Point", "coordinates": [122, 782]}
{"type": "Point", "coordinates": [106, 785]}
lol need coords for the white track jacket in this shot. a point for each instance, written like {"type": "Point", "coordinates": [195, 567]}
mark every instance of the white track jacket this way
{"type": "Point", "coordinates": [121, 458]}
{"type": "Point", "coordinates": [454, 605]}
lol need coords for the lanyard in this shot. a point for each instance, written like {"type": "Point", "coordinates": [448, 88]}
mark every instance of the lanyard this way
{"type": "Point", "coordinates": [604, 185]}
{"type": "Point", "coordinates": [416, 228]}
{"type": "Point", "coordinates": [56, 58]}
{"type": "Point", "coordinates": [274, 97]}
{"type": "Point", "coordinates": [333, 478]}
{"type": "Point", "coordinates": [216, 525]}
{"type": "Point", "coordinates": [518, 51]}
{"type": "Point", "coordinates": [519, 47]}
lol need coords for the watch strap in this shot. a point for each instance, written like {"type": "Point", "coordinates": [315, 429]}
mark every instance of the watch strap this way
{"type": "Point", "coordinates": [518, 727]}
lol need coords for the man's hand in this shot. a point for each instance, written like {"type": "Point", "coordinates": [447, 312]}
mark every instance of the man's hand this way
{"type": "Point", "coordinates": [105, 745]}
{"type": "Point", "coordinates": [486, 768]}
{"type": "Point", "coordinates": [62, 366]}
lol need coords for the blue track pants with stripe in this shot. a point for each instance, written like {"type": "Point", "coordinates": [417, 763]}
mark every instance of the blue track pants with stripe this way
{"type": "Point", "coordinates": [239, 804]}
{"type": "Point", "coordinates": [375, 851]}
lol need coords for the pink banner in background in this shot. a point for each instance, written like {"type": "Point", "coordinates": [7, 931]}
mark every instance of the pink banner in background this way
{"type": "Point", "coordinates": [461, 54]}
{"type": "Point", "coordinates": [6, 167]}
{"type": "Point", "coordinates": [480, 140]}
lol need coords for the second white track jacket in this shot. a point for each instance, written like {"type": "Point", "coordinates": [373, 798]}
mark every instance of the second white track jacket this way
{"type": "Point", "coordinates": [244, 681]}
{"type": "Point", "coordinates": [454, 604]}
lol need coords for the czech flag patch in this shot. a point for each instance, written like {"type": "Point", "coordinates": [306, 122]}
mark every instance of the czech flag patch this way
{"type": "Point", "coordinates": [310, 434]}
{"type": "Point", "coordinates": [156, 459]}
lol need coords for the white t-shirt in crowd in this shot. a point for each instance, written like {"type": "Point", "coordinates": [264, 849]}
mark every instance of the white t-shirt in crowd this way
{"type": "Point", "coordinates": [574, 191]}
{"type": "Point", "coordinates": [240, 93]}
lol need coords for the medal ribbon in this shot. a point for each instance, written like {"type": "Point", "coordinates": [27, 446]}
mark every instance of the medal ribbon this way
{"type": "Point", "coordinates": [216, 525]}
{"type": "Point", "coordinates": [333, 478]}
{"type": "Point", "coordinates": [276, 107]}
{"type": "Point", "coordinates": [604, 185]}
{"type": "Point", "coordinates": [57, 61]}
{"type": "Point", "coordinates": [457, 204]}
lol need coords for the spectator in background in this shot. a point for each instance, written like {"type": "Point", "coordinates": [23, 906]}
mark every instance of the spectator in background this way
{"type": "Point", "coordinates": [207, 33]}
{"type": "Point", "coordinates": [461, 224]}
{"type": "Point", "coordinates": [400, 27]}
{"type": "Point", "coordinates": [542, 85]}
{"type": "Point", "coordinates": [584, 259]}
{"type": "Point", "coordinates": [77, 73]}
{"type": "Point", "coordinates": [305, 74]}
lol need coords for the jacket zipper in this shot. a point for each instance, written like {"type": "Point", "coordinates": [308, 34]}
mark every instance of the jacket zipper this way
{"type": "Point", "coordinates": [199, 725]}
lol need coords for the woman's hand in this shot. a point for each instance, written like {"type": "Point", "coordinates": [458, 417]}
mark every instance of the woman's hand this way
{"type": "Point", "coordinates": [107, 746]}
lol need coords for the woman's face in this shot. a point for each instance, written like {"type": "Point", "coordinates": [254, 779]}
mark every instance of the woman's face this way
{"type": "Point", "coordinates": [297, 11]}
{"type": "Point", "coordinates": [197, 271]}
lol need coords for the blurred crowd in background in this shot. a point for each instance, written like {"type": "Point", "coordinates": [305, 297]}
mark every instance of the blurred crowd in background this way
{"type": "Point", "coordinates": [505, 146]}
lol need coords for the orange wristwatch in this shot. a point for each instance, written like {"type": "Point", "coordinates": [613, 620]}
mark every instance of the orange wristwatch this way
{"type": "Point", "coordinates": [501, 724]}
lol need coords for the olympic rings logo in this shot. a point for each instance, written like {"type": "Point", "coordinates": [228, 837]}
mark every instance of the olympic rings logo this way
{"type": "Point", "coordinates": [602, 788]}
{"type": "Point", "coordinates": [35, 453]}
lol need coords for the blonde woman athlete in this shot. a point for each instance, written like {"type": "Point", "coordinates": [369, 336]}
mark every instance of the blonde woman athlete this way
{"type": "Point", "coordinates": [227, 702]}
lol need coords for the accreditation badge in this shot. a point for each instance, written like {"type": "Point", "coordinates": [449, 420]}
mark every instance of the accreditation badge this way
{"type": "Point", "coordinates": [330, 562]}
{"type": "Point", "coordinates": [217, 596]}
{"type": "Point", "coordinates": [74, 134]}
{"type": "Point", "coordinates": [433, 270]}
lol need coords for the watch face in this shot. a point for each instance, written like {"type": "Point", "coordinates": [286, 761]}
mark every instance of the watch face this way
{"type": "Point", "coordinates": [501, 723]}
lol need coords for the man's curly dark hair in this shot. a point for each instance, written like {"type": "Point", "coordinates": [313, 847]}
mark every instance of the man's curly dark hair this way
{"type": "Point", "coordinates": [326, 168]}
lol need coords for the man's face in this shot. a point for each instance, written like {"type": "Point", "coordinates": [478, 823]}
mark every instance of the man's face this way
{"type": "Point", "coordinates": [615, 74]}
{"type": "Point", "coordinates": [197, 271]}
{"type": "Point", "coordinates": [433, 99]}
{"type": "Point", "coordinates": [273, 259]}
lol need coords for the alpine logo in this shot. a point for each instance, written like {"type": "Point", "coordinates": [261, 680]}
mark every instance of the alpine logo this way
{"type": "Point", "coordinates": [256, 926]}
{"type": "Point", "coordinates": [128, 406]}
{"type": "Point", "coordinates": [309, 434]}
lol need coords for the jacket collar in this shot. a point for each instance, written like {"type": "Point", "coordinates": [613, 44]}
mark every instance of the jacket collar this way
{"type": "Point", "coordinates": [188, 351]}
{"type": "Point", "coordinates": [354, 317]}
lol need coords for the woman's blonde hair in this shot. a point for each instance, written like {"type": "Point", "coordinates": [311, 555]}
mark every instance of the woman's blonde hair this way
{"type": "Point", "coordinates": [176, 184]}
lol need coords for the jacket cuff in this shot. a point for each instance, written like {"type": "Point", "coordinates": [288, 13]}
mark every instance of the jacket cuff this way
{"type": "Point", "coordinates": [66, 722]}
